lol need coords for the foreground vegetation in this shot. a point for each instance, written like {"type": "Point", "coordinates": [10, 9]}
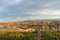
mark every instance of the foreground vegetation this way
{"type": "Point", "coordinates": [50, 35]}
{"type": "Point", "coordinates": [10, 35]}
{"type": "Point", "coordinates": [45, 35]}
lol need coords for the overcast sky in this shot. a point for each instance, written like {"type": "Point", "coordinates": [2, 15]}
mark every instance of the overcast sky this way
{"type": "Point", "coordinates": [20, 10]}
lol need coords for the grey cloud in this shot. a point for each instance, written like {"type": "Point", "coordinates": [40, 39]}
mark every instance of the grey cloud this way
{"type": "Point", "coordinates": [27, 8]}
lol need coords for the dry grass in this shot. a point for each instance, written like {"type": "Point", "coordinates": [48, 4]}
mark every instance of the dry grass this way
{"type": "Point", "coordinates": [12, 31]}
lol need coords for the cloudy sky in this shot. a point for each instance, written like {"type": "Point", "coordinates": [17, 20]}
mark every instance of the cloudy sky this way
{"type": "Point", "coordinates": [20, 10]}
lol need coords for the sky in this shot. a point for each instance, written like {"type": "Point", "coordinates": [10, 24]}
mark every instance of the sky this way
{"type": "Point", "coordinates": [21, 10]}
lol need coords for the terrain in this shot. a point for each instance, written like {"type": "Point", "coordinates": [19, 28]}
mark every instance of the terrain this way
{"type": "Point", "coordinates": [49, 30]}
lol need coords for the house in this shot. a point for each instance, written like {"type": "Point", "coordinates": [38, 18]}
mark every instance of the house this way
{"type": "Point", "coordinates": [30, 30]}
{"type": "Point", "coordinates": [58, 28]}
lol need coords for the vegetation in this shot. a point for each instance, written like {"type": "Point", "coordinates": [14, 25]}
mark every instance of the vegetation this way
{"type": "Point", "coordinates": [50, 35]}
{"type": "Point", "coordinates": [23, 35]}
{"type": "Point", "coordinates": [45, 35]}
{"type": "Point", "coordinates": [17, 35]}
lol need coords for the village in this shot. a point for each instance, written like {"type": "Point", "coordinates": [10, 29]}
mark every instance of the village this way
{"type": "Point", "coordinates": [30, 26]}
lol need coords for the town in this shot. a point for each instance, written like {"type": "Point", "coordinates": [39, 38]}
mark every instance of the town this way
{"type": "Point", "coordinates": [31, 26]}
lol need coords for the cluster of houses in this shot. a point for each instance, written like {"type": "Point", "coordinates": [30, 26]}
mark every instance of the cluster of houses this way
{"type": "Point", "coordinates": [51, 27]}
{"type": "Point", "coordinates": [18, 28]}
{"type": "Point", "coordinates": [25, 27]}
